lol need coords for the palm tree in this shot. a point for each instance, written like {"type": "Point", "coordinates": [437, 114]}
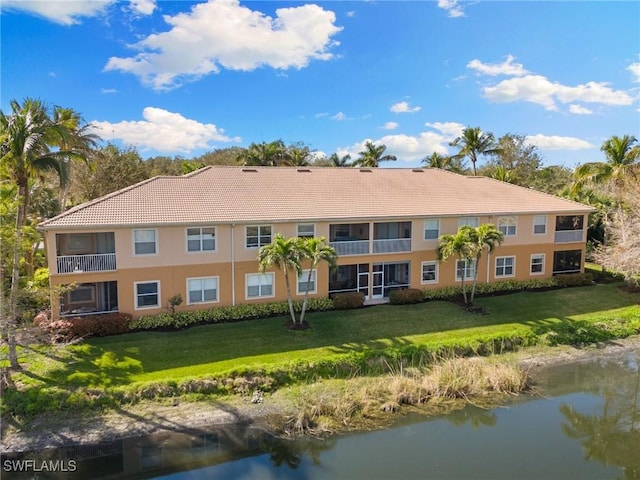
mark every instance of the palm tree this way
{"type": "Point", "coordinates": [340, 161]}
{"type": "Point", "coordinates": [298, 156]}
{"type": "Point", "coordinates": [443, 162]}
{"type": "Point", "coordinates": [504, 175]}
{"type": "Point", "coordinates": [461, 246]}
{"type": "Point", "coordinates": [623, 163]}
{"type": "Point", "coordinates": [27, 135]}
{"type": "Point", "coordinates": [372, 155]}
{"type": "Point", "coordinates": [485, 236]}
{"type": "Point", "coordinates": [264, 154]}
{"type": "Point", "coordinates": [315, 250]}
{"type": "Point", "coordinates": [283, 253]}
{"type": "Point", "coordinates": [473, 142]}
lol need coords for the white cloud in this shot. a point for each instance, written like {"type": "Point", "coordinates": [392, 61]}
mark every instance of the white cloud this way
{"type": "Point", "coordinates": [339, 117]}
{"type": "Point", "coordinates": [634, 68]}
{"type": "Point", "coordinates": [108, 90]}
{"type": "Point", "coordinates": [222, 34]}
{"type": "Point", "coordinates": [351, 14]}
{"type": "Point", "coordinates": [540, 90]}
{"type": "Point", "coordinates": [505, 68]}
{"type": "Point", "coordinates": [553, 142]}
{"type": "Point", "coordinates": [163, 131]}
{"type": "Point", "coordinates": [143, 7]}
{"type": "Point", "coordinates": [579, 110]}
{"type": "Point", "coordinates": [449, 130]}
{"type": "Point", "coordinates": [390, 125]}
{"type": "Point", "coordinates": [452, 7]}
{"type": "Point", "coordinates": [404, 107]}
{"type": "Point", "coordinates": [62, 12]}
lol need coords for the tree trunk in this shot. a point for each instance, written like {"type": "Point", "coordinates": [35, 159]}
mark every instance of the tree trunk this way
{"type": "Point", "coordinates": [306, 296]}
{"type": "Point", "coordinates": [289, 299]}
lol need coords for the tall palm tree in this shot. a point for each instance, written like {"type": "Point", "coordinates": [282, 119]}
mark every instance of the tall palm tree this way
{"type": "Point", "coordinates": [473, 142]}
{"type": "Point", "coordinates": [315, 250]}
{"type": "Point", "coordinates": [283, 253]}
{"type": "Point", "coordinates": [443, 162]}
{"type": "Point", "coordinates": [372, 155]}
{"type": "Point", "coordinates": [298, 156]}
{"type": "Point", "coordinates": [337, 161]}
{"type": "Point", "coordinates": [623, 163]}
{"type": "Point", "coordinates": [30, 146]}
{"type": "Point", "coordinates": [483, 237]}
{"type": "Point", "coordinates": [461, 246]}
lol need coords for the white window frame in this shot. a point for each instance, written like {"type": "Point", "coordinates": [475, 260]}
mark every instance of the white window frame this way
{"type": "Point", "coordinates": [470, 221]}
{"type": "Point", "coordinates": [262, 276]}
{"type": "Point", "coordinates": [469, 271]}
{"type": "Point", "coordinates": [505, 266]}
{"type": "Point", "coordinates": [306, 235]}
{"type": "Point", "coordinates": [536, 224]}
{"type": "Point", "coordinates": [539, 256]}
{"type": "Point", "coordinates": [259, 237]}
{"type": "Point", "coordinates": [135, 295]}
{"type": "Point", "coordinates": [435, 271]}
{"type": "Point", "coordinates": [202, 290]}
{"type": "Point", "coordinates": [437, 229]}
{"type": "Point", "coordinates": [302, 278]}
{"type": "Point", "coordinates": [508, 225]}
{"type": "Point", "coordinates": [155, 241]}
{"type": "Point", "coordinates": [201, 239]}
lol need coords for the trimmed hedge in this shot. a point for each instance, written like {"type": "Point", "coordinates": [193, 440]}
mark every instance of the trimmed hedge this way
{"type": "Point", "coordinates": [406, 296]}
{"type": "Point", "coordinates": [505, 286]}
{"type": "Point", "coordinates": [574, 279]}
{"type": "Point", "coordinates": [348, 300]}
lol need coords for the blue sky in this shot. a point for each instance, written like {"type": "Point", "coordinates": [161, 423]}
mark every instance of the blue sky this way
{"type": "Point", "coordinates": [183, 78]}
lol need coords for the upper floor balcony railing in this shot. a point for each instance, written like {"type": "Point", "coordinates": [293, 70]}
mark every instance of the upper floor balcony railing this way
{"type": "Point", "coordinates": [352, 247]}
{"type": "Point", "coordinates": [392, 245]}
{"type": "Point", "coordinates": [98, 262]}
{"type": "Point", "coordinates": [568, 236]}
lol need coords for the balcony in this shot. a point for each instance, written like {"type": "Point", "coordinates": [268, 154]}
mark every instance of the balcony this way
{"type": "Point", "coordinates": [568, 236]}
{"type": "Point", "coordinates": [392, 245]}
{"type": "Point", "coordinates": [351, 247]}
{"type": "Point", "coordinates": [97, 262]}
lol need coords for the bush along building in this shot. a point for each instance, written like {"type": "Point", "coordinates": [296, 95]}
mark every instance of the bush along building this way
{"type": "Point", "coordinates": [198, 236]}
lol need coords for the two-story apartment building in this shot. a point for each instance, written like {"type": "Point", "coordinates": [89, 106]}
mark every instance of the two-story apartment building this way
{"type": "Point", "coordinates": [198, 235]}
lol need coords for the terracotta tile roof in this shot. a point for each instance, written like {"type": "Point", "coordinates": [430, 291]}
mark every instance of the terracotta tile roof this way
{"type": "Point", "coordinates": [269, 194]}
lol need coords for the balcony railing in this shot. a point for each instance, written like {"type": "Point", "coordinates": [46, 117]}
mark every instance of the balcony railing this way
{"type": "Point", "coordinates": [568, 236]}
{"type": "Point", "coordinates": [392, 245]}
{"type": "Point", "coordinates": [98, 262]}
{"type": "Point", "coordinates": [353, 247]}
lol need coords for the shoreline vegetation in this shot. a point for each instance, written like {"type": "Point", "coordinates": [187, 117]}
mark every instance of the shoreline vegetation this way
{"type": "Point", "coordinates": [353, 370]}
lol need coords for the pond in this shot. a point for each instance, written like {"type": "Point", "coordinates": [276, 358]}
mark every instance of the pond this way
{"type": "Point", "coordinates": [583, 422]}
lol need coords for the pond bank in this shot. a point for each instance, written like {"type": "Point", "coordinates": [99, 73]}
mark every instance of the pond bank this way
{"type": "Point", "coordinates": [51, 430]}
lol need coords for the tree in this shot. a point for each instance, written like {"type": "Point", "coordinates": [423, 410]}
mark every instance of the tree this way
{"type": "Point", "coordinates": [473, 142]}
{"type": "Point", "coordinates": [285, 254]}
{"type": "Point", "coordinates": [315, 250]}
{"type": "Point", "coordinates": [460, 245]}
{"type": "Point", "coordinates": [264, 154]}
{"type": "Point", "coordinates": [298, 155]}
{"type": "Point", "coordinates": [484, 237]}
{"type": "Point", "coordinates": [504, 175]}
{"type": "Point", "coordinates": [443, 162]}
{"type": "Point", "coordinates": [337, 161]}
{"type": "Point", "coordinates": [518, 157]}
{"type": "Point", "coordinates": [372, 155]}
{"type": "Point", "coordinates": [32, 144]}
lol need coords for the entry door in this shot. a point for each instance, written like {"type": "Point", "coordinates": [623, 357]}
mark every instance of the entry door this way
{"type": "Point", "coordinates": [377, 280]}
{"type": "Point", "coordinates": [363, 279]}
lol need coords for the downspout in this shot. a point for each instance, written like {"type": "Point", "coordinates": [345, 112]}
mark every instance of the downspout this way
{"type": "Point", "coordinates": [488, 264]}
{"type": "Point", "coordinates": [233, 265]}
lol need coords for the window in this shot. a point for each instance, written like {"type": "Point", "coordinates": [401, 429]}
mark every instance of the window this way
{"type": "Point", "coordinates": [201, 239]}
{"type": "Point", "coordinates": [144, 242]}
{"type": "Point", "coordinates": [470, 221]}
{"type": "Point", "coordinates": [202, 290]}
{"type": "Point", "coordinates": [259, 285]}
{"type": "Point", "coordinates": [569, 222]}
{"type": "Point", "coordinates": [258, 235]}
{"type": "Point", "coordinates": [306, 230]}
{"type": "Point", "coordinates": [505, 266]}
{"type": "Point", "coordinates": [304, 283]}
{"type": "Point", "coordinates": [539, 224]}
{"type": "Point", "coordinates": [537, 263]}
{"type": "Point", "coordinates": [567, 261]}
{"type": "Point", "coordinates": [431, 229]}
{"type": "Point", "coordinates": [81, 294]}
{"type": "Point", "coordinates": [429, 272]}
{"type": "Point", "coordinates": [507, 225]}
{"type": "Point", "coordinates": [79, 241]}
{"type": "Point", "coordinates": [466, 267]}
{"type": "Point", "coordinates": [147, 294]}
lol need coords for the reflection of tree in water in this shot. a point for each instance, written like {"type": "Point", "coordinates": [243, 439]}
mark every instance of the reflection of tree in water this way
{"type": "Point", "coordinates": [289, 452]}
{"type": "Point", "coordinates": [612, 438]}
{"type": "Point", "coordinates": [474, 415]}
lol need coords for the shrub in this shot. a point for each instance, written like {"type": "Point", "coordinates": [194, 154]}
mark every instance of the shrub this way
{"type": "Point", "coordinates": [406, 296]}
{"type": "Point", "coordinates": [505, 286]}
{"type": "Point", "coordinates": [574, 279]}
{"type": "Point", "coordinates": [70, 328]}
{"type": "Point", "coordinates": [348, 300]}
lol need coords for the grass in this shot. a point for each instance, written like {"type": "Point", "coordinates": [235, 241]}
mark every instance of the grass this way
{"type": "Point", "coordinates": [214, 350]}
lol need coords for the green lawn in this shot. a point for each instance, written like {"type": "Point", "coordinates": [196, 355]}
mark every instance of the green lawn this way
{"type": "Point", "coordinates": [214, 349]}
